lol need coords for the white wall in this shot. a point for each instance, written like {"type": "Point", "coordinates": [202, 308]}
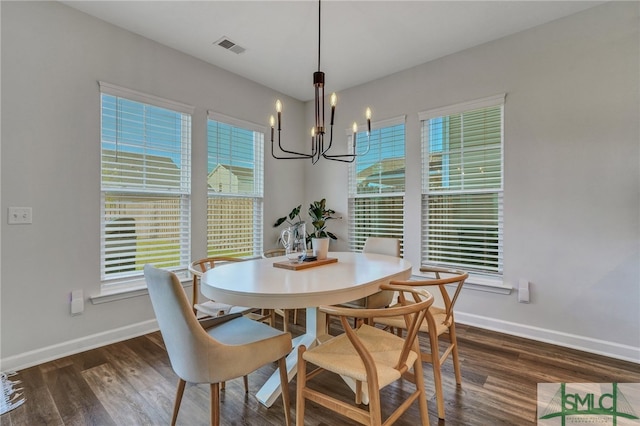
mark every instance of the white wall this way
{"type": "Point", "coordinates": [52, 58]}
{"type": "Point", "coordinates": [572, 208]}
{"type": "Point", "coordinates": [572, 178]}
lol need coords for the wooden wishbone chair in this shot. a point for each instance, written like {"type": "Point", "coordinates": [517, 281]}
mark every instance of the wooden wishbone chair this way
{"type": "Point", "coordinates": [213, 308]}
{"type": "Point", "coordinates": [284, 313]}
{"type": "Point", "coordinates": [372, 357]}
{"type": "Point", "coordinates": [439, 322]}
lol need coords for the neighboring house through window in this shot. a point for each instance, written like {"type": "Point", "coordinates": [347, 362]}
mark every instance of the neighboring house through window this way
{"type": "Point", "coordinates": [462, 186]}
{"type": "Point", "coordinates": [235, 182]}
{"type": "Point", "coordinates": [377, 185]}
{"type": "Point", "coordinates": [145, 183]}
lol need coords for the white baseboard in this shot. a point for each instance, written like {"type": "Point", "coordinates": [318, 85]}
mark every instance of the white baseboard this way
{"type": "Point", "coordinates": [50, 353]}
{"type": "Point", "coordinates": [587, 344]}
{"type": "Point", "coordinates": [600, 347]}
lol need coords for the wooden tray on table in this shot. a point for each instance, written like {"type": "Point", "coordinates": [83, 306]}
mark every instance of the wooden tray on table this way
{"type": "Point", "coordinates": [304, 265]}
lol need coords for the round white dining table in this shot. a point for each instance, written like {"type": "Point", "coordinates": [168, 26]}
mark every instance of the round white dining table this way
{"type": "Point", "coordinates": [258, 283]}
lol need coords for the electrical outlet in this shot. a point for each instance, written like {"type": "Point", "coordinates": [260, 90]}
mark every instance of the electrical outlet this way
{"type": "Point", "coordinates": [20, 216]}
{"type": "Point", "coordinates": [77, 302]}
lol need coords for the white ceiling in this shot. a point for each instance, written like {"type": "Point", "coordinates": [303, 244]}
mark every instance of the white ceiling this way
{"type": "Point", "coordinates": [361, 40]}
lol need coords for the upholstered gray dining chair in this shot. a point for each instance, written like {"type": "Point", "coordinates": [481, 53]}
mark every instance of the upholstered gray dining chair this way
{"type": "Point", "coordinates": [213, 350]}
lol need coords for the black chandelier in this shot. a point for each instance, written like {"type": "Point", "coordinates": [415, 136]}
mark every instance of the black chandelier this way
{"type": "Point", "coordinates": [318, 148]}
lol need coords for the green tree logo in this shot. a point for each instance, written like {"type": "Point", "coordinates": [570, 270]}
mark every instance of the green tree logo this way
{"type": "Point", "coordinates": [581, 403]}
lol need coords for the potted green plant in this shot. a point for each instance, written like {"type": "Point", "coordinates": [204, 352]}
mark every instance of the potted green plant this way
{"type": "Point", "coordinates": [319, 214]}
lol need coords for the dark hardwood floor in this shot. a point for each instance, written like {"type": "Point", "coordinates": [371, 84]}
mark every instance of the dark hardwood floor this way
{"type": "Point", "coordinates": [132, 383]}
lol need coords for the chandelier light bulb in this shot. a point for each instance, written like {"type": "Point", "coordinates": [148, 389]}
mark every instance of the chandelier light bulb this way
{"type": "Point", "coordinates": [333, 99]}
{"type": "Point", "coordinates": [279, 111]}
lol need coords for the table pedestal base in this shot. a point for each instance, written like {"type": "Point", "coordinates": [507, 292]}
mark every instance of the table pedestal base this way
{"type": "Point", "coordinates": [316, 326]}
{"type": "Point", "coordinates": [271, 390]}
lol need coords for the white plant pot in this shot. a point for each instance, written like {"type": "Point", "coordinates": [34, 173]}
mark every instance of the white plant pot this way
{"type": "Point", "coordinates": [320, 247]}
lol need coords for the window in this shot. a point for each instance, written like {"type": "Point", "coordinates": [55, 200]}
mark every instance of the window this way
{"type": "Point", "coordinates": [462, 186]}
{"type": "Point", "coordinates": [145, 183]}
{"type": "Point", "coordinates": [235, 183]}
{"type": "Point", "coordinates": [376, 185]}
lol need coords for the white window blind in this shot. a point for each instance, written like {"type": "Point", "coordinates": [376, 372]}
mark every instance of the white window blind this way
{"type": "Point", "coordinates": [235, 185]}
{"type": "Point", "coordinates": [145, 183]}
{"type": "Point", "coordinates": [377, 185]}
{"type": "Point", "coordinates": [462, 186]}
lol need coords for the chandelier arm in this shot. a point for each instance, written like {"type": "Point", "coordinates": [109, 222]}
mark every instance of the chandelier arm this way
{"type": "Point", "coordinates": [368, 146]}
{"type": "Point", "coordinates": [330, 140]}
{"type": "Point", "coordinates": [314, 146]}
{"type": "Point", "coordinates": [315, 143]}
{"type": "Point", "coordinates": [345, 158]}
{"type": "Point", "coordinates": [296, 155]}
{"type": "Point", "coordinates": [351, 159]}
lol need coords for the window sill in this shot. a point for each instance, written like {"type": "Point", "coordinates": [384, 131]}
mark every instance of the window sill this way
{"type": "Point", "coordinates": [130, 288]}
{"type": "Point", "coordinates": [480, 283]}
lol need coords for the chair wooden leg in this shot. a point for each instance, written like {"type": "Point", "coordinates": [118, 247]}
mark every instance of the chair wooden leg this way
{"type": "Point", "coordinates": [284, 385]}
{"type": "Point", "coordinates": [295, 316]}
{"type": "Point", "coordinates": [375, 410]}
{"type": "Point", "coordinates": [176, 404]}
{"type": "Point", "coordinates": [215, 404]}
{"type": "Point", "coordinates": [456, 359]}
{"type": "Point", "coordinates": [194, 295]}
{"type": "Point", "coordinates": [302, 383]}
{"type": "Point", "coordinates": [245, 379]}
{"type": "Point", "coordinates": [285, 320]}
{"type": "Point", "coordinates": [420, 386]}
{"type": "Point", "coordinates": [437, 373]}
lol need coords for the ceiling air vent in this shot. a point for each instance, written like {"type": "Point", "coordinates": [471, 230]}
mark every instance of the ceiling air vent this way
{"type": "Point", "coordinates": [229, 45]}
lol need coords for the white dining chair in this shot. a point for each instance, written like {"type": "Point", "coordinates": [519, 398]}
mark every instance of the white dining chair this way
{"type": "Point", "coordinates": [216, 349]}
{"type": "Point", "coordinates": [380, 299]}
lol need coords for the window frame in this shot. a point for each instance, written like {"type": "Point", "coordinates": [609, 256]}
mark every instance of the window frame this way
{"type": "Point", "coordinates": [133, 280]}
{"type": "Point", "coordinates": [481, 277]}
{"type": "Point", "coordinates": [356, 238]}
{"type": "Point", "coordinates": [257, 196]}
